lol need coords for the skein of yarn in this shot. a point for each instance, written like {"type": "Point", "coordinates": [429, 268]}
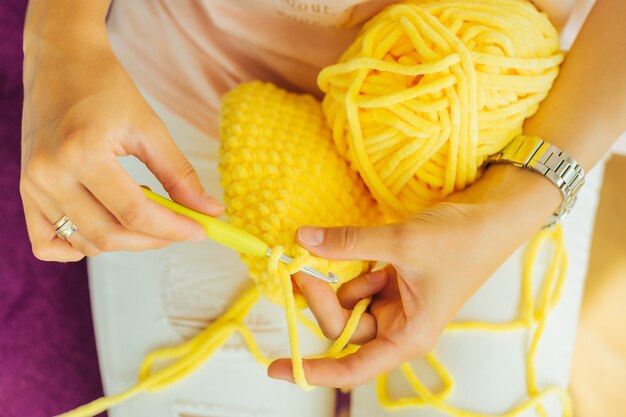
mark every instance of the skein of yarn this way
{"type": "Point", "coordinates": [431, 88]}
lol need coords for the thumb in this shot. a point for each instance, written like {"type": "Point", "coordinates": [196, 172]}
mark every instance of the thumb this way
{"type": "Point", "coordinates": [371, 243]}
{"type": "Point", "coordinates": [175, 172]}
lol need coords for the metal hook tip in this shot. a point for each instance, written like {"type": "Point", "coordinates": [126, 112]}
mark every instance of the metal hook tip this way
{"type": "Point", "coordinates": [333, 277]}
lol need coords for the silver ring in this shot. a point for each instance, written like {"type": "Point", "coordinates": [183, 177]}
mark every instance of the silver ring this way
{"type": "Point", "coordinates": [64, 227]}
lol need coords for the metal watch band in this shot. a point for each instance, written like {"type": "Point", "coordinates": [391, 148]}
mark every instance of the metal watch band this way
{"type": "Point", "coordinates": [537, 155]}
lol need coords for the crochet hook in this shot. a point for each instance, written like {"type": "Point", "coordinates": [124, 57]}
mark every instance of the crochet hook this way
{"type": "Point", "coordinates": [232, 236]}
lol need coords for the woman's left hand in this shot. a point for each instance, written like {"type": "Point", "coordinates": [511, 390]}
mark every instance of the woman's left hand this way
{"type": "Point", "coordinates": [436, 260]}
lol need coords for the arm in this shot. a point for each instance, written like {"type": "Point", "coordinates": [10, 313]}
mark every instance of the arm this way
{"type": "Point", "coordinates": [82, 111]}
{"type": "Point", "coordinates": [584, 114]}
{"type": "Point", "coordinates": [58, 19]}
{"type": "Point", "coordinates": [585, 111]}
{"type": "Point", "coordinates": [433, 270]}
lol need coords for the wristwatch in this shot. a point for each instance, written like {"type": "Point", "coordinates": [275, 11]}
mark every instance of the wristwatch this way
{"type": "Point", "coordinates": [535, 154]}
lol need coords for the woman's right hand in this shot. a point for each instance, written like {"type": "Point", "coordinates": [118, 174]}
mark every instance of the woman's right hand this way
{"type": "Point", "coordinates": [82, 111]}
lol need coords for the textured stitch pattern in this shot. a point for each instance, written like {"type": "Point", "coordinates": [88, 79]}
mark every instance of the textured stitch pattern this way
{"type": "Point", "coordinates": [280, 170]}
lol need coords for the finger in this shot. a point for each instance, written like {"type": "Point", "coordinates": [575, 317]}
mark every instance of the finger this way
{"type": "Point", "coordinates": [97, 229]}
{"type": "Point", "coordinates": [174, 171]}
{"type": "Point", "coordinates": [46, 245]}
{"type": "Point", "coordinates": [350, 371]}
{"type": "Point", "coordinates": [98, 225]}
{"type": "Point", "coordinates": [361, 287]}
{"type": "Point", "coordinates": [349, 242]}
{"type": "Point", "coordinates": [76, 239]}
{"type": "Point", "coordinates": [120, 195]}
{"type": "Point", "coordinates": [329, 313]}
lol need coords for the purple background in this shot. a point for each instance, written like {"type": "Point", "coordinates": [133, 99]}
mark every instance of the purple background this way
{"type": "Point", "coordinates": [48, 361]}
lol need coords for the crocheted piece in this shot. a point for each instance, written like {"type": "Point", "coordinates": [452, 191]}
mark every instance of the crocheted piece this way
{"type": "Point", "coordinates": [280, 170]}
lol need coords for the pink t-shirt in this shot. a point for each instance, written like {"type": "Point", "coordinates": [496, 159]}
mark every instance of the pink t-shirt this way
{"type": "Point", "coordinates": [187, 53]}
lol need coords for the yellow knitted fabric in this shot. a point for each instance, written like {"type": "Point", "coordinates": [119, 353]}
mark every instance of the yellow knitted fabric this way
{"type": "Point", "coordinates": [280, 170]}
{"type": "Point", "coordinates": [427, 91]}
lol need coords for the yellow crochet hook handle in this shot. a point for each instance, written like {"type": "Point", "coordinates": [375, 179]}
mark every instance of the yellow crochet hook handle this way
{"type": "Point", "coordinates": [219, 231]}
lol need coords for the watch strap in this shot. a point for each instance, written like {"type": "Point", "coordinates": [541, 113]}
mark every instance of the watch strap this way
{"type": "Point", "coordinates": [535, 154]}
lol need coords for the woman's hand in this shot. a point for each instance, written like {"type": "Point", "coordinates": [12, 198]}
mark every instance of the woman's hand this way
{"type": "Point", "coordinates": [436, 260]}
{"type": "Point", "coordinates": [440, 256]}
{"type": "Point", "coordinates": [81, 111]}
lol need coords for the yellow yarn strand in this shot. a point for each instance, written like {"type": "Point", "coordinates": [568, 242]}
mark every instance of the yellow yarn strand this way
{"type": "Point", "coordinates": [534, 321]}
{"type": "Point", "coordinates": [188, 357]}
{"type": "Point", "coordinates": [427, 91]}
{"type": "Point", "coordinates": [338, 346]}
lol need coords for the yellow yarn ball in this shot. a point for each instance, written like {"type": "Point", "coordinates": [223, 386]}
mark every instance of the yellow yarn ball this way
{"type": "Point", "coordinates": [430, 89]}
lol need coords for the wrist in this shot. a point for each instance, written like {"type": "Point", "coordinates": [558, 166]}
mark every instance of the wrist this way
{"type": "Point", "coordinates": [53, 52]}
{"type": "Point", "coordinates": [67, 24]}
{"type": "Point", "coordinates": [512, 194]}
{"type": "Point", "coordinates": [58, 37]}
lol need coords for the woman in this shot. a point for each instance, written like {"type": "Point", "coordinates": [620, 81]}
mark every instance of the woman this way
{"type": "Point", "coordinates": [82, 110]}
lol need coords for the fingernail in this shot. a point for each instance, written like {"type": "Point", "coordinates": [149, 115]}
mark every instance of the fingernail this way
{"type": "Point", "coordinates": [376, 276]}
{"type": "Point", "coordinates": [195, 238]}
{"type": "Point", "coordinates": [311, 236]}
{"type": "Point", "coordinates": [296, 278]}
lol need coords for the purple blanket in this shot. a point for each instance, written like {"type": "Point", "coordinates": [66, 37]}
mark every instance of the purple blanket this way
{"type": "Point", "coordinates": [48, 360]}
